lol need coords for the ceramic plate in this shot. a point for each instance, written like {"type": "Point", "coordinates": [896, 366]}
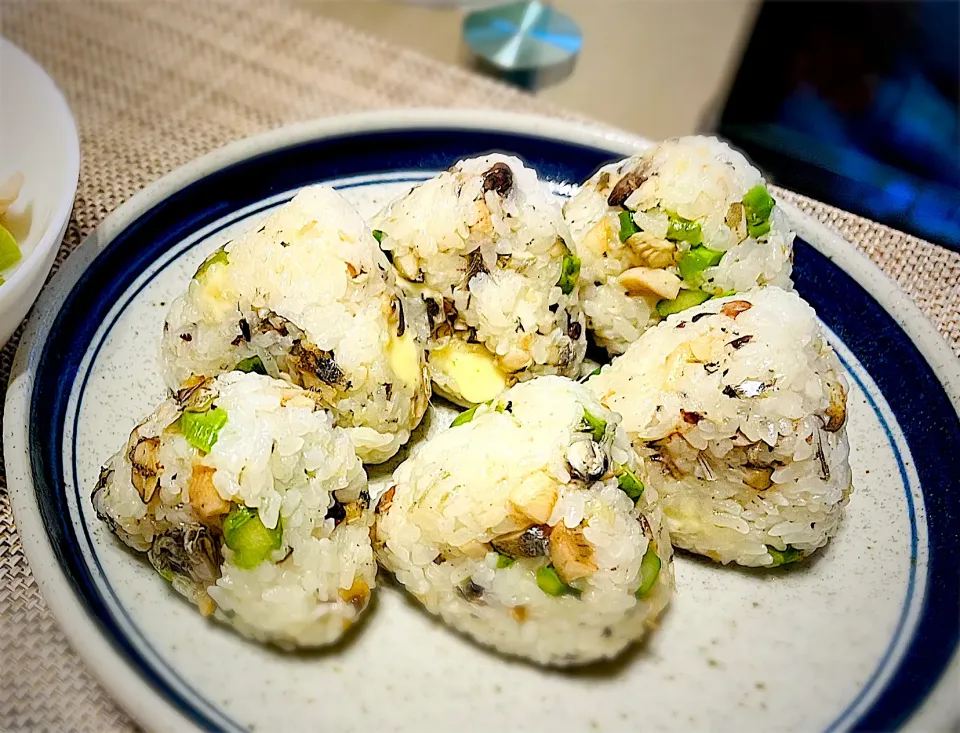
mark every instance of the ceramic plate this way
{"type": "Point", "coordinates": [862, 637]}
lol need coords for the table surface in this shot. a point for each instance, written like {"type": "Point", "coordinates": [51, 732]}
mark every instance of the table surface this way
{"type": "Point", "coordinates": [639, 35]}
{"type": "Point", "coordinates": [155, 84]}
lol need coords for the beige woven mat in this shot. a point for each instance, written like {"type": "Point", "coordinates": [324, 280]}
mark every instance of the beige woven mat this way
{"type": "Point", "coordinates": [155, 84]}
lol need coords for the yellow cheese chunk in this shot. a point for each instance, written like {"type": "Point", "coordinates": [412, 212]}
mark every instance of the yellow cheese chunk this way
{"type": "Point", "coordinates": [216, 297]}
{"type": "Point", "coordinates": [472, 370]}
{"type": "Point", "coordinates": [535, 496]}
{"type": "Point", "coordinates": [405, 359]}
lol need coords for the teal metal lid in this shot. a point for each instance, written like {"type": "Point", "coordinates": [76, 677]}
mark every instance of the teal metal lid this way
{"type": "Point", "coordinates": [522, 37]}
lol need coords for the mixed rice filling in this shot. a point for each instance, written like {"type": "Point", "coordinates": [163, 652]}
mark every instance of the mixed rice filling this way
{"type": "Point", "coordinates": [484, 249]}
{"type": "Point", "coordinates": [665, 231]}
{"type": "Point", "coordinates": [738, 408]}
{"type": "Point", "coordinates": [528, 526]}
{"type": "Point", "coordinates": [542, 521]}
{"type": "Point", "coordinates": [308, 298]}
{"type": "Point", "coordinates": [251, 504]}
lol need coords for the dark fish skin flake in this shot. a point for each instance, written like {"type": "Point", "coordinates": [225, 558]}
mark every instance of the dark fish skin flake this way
{"type": "Point", "coordinates": [336, 512]}
{"type": "Point", "coordinates": [321, 364]}
{"type": "Point", "coordinates": [186, 337]}
{"type": "Point", "coordinates": [401, 319]}
{"type": "Point", "coordinates": [273, 322]}
{"type": "Point", "coordinates": [442, 324]}
{"type": "Point", "coordinates": [742, 341]}
{"type": "Point", "coordinates": [746, 389]}
{"type": "Point", "coordinates": [691, 418]}
{"type": "Point", "coordinates": [197, 397]}
{"type": "Point", "coordinates": [822, 459]}
{"type": "Point", "coordinates": [475, 265]}
{"type": "Point", "coordinates": [574, 328]}
{"type": "Point", "coordinates": [531, 542]}
{"type": "Point", "coordinates": [711, 367]}
{"type": "Point", "coordinates": [441, 330]}
{"type": "Point", "coordinates": [244, 329]}
{"type": "Point", "coordinates": [499, 179]}
{"type": "Point", "coordinates": [735, 307]}
{"type": "Point", "coordinates": [470, 591]}
{"type": "Point", "coordinates": [190, 552]}
{"type": "Point", "coordinates": [645, 526]}
{"type": "Point", "coordinates": [701, 315]}
{"type": "Point", "coordinates": [144, 456]}
{"type": "Point", "coordinates": [626, 186]}
{"type": "Point", "coordinates": [106, 474]}
{"type": "Point", "coordinates": [327, 370]}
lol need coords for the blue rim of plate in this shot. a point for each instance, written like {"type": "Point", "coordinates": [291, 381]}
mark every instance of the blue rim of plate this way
{"type": "Point", "coordinates": [917, 399]}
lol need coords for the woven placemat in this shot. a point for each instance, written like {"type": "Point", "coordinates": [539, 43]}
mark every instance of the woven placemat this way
{"type": "Point", "coordinates": [156, 84]}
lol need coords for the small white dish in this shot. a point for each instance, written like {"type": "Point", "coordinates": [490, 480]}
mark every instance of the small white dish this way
{"type": "Point", "coordinates": [38, 138]}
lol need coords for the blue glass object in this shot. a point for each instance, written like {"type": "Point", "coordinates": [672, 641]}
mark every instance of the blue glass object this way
{"type": "Point", "coordinates": [857, 105]}
{"type": "Point", "coordinates": [522, 36]}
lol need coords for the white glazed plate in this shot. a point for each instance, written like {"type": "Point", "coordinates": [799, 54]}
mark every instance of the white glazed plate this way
{"type": "Point", "coordinates": [862, 637]}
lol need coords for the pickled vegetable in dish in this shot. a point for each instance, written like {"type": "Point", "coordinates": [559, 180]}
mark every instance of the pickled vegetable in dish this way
{"type": "Point", "coordinates": [10, 251]}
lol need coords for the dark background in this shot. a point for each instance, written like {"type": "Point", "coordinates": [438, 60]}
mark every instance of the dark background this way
{"type": "Point", "coordinates": [856, 104]}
